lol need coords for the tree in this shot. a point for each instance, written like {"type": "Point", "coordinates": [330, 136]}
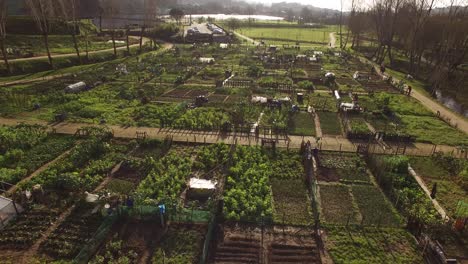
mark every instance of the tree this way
{"type": "Point", "coordinates": [290, 15]}
{"type": "Point", "coordinates": [306, 15]}
{"type": "Point", "coordinates": [201, 20]}
{"type": "Point", "coordinates": [110, 9]}
{"type": "Point", "coordinates": [177, 14]}
{"type": "Point", "coordinates": [3, 19]}
{"type": "Point", "coordinates": [68, 10]}
{"type": "Point", "coordinates": [42, 11]}
{"type": "Point", "coordinates": [150, 7]}
{"type": "Point", "coordinates": [233, 24]}
{"type": "Point", "coordinates": [385, 15]}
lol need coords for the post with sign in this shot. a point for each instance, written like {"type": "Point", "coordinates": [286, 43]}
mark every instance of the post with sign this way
{"type": "Point", "coordinates": [162, 211]}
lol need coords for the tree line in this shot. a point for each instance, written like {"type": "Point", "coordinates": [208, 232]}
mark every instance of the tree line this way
{"type": "Point", "coordinates": [46, 13]}
{"type": "Point", "coordinates": [431, 42]}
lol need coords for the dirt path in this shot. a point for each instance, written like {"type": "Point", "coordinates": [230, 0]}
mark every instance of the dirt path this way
{"type": "Point", "coordinates": [423, 186]}
{"type": "Point", "coordinates": [454, 119]}
{"type": "Point", "coordinates": [210, 137]}
{"type": "Point", "coordinates": [145, 40]}
{"type": "Point", "coordinates": [332, 43]}
{"type": "Point", "coordinates": [13, 189]}
{"type": "Point", "coordinates": [246, 38]}
{"type": "Point", "coordinates": [318, 127]}
{"type": "Point", "coordinates": [450, 117]}
{"type": "Point", "coordinates": [165, 47]}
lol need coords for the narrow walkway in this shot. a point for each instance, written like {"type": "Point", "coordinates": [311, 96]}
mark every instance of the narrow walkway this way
{"type": "Point", "coordinates": [423, 186]}
{"type": "Point", "coordinates": [332, 43]}
{"type": "Point", "coordinates": [54, 56]}
{"type": "Point", "coordinates": [246, 38]}
{"type": "Point", "coordinates": [456, 120]}
{"type": "Point", "coordinates": [211, 137]}
{"type": "Point", "coordinates": [166, 46]}
{"type": "Point", "coordinates": [318, 127]}
{"type": "Point", "coordinates": [13, 189]}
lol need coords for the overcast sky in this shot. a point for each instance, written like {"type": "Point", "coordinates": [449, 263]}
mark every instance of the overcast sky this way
{"type": "Point", "coordinates": [335, 4]}
{"type": "Point", "coordinates": [332, 4]}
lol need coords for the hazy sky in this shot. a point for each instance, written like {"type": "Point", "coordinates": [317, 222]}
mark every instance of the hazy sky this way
{"type": "Point", "coordinates": [332, 4]}
{"type": "Point", "coordinates": [335, 4]}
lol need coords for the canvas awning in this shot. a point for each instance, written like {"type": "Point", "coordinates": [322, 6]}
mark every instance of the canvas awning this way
{"type": "Point", "coordinates": [202, 184]}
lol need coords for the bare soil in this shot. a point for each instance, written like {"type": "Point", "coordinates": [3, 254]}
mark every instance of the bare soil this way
{"type": "Point", "coordinates": [328, 175]}
{"type": "Point", "coordinates": [244, 243]}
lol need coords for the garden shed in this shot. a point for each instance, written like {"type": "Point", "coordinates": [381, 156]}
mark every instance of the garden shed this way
{"type": "Point", "coordinates": [8, 210]}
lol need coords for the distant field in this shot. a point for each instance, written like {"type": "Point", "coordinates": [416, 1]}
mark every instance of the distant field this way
{"type": "Point", "coordinates": [291, 34]}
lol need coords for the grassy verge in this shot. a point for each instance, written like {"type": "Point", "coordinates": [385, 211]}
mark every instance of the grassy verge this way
{"type": "Point", "coordinates": [302, 124]}
{"type": "Point", "coordinates": [330, 123]}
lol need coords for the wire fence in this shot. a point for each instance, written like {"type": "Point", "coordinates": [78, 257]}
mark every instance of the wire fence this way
{"type": "Point", "coordinates": [88, 251]}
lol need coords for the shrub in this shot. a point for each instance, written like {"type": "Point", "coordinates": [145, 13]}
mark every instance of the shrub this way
{"type": "Point", "coordinates": [306, 85]}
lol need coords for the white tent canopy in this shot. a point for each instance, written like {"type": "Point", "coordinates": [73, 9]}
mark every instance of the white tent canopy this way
{"type": "Point", "coordinates": [202, 184]}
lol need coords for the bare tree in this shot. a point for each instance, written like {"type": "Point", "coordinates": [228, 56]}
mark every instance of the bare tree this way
{"type": "Point", "coordinates": [385, 15]}
{"type": "Point", "coordinates": [68, 14]}
{"type": "Point", "coordinates": [42, 11]}
{"type": "Point", "coordinates": [3, 20]}
{"type": "Point", "coordinates": [150, 9]}
{"type": "Point", "coordinates": [452, 47]}
{"type": "Point", "coordinates": [110, 9]}
{"type": "Point", "coordinates": [421, 10]}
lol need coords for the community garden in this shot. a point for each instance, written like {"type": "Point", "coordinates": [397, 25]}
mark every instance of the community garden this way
{"type": "Point", "coordinates": [96, 198]}
{"type": "Point", "coordinates": [178, 89]}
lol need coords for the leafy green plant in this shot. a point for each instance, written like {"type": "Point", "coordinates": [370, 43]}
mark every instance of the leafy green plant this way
{"type": "Point", "coordinates": [165, 181]}
{"type": "Point", "coordinates": [248, 193]}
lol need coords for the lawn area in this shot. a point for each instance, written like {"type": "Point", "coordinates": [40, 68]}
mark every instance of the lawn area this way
{"type": "Point", "coordinates": [302, 124]}
{"type": "Point", "coordinates": [370, 245]}
{"type": "Point", "coordinates": [290, 202]}
{"type": "Point", "coordinates": [330, 123]}
{"type": "Point", "coordinates": [433, 130]}
{"type": "Point", "coordinates": [303, 35]}
{"type": "Point", "coordinates": [337, 205]}
{"type": "Point", "coordinates": [374, 207]}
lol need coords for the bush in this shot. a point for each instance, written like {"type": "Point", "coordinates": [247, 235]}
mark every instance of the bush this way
{"type": "Point", "coordinates": [306, 85]}
{"type": "Point", "coordinates": [12, 176]}
{"type": "Point", "coordinates": [254, 71]}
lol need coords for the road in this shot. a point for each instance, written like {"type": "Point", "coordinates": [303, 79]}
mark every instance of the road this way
{"type": "Point", "coordinates": [145, 40]}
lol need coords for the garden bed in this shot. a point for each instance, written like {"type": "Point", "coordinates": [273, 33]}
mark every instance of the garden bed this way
{"type": "Point", "coordinates": [68, 238]}
{"type": "Point", "coordinates": [371, 245]}
{"type": "Point", "coordinates": [302, 124]}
